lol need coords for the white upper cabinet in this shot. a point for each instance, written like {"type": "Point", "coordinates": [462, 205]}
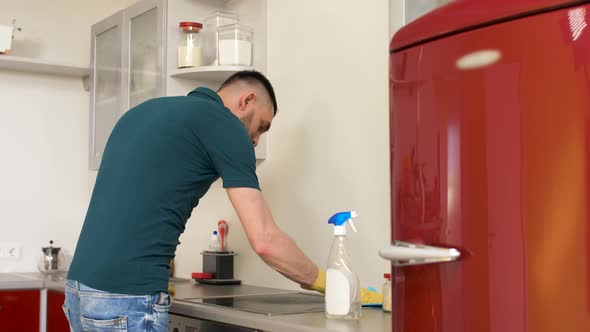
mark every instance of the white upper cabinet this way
{"type": "Point", "coordinates": [146, 59]}
{"type": "Point", "coordinates": [105, 83]}
{"type": "Point", "coordinates": [134, 58]}
{"type": "Point", "coordinates": [127, 67]}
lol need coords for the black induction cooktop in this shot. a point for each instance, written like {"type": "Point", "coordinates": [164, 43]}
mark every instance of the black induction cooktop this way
{"type": "Point", "coordinates": [268, 304]}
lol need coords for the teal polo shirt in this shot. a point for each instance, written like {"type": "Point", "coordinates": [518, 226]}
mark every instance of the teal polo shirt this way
{"type": "Point", "coordinates": [161, 158]}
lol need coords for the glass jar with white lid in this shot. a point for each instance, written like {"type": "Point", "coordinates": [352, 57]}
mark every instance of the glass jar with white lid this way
{"type": "Point", "coordinates": [210, 37]}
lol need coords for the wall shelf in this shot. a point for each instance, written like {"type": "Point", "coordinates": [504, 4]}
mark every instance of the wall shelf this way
{"type": "Point", "coordinates": [209, 73]}
{"type": "Point", "coordinates": [41, 66]}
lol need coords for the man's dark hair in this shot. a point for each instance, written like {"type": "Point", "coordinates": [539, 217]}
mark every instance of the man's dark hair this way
{"type": "Point", "coordinates": [250, 77]}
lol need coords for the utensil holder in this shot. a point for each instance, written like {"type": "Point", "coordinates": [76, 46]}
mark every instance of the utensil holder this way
{"type": "Point", "coordinates": [220, 264]}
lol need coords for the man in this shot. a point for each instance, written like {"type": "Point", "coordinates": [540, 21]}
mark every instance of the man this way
{"type": "Point", "coordinates": [161, 158]}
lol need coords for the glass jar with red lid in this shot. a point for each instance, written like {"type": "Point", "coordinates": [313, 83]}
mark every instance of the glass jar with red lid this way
{"type": "Point", "coordinates": [190, 48]}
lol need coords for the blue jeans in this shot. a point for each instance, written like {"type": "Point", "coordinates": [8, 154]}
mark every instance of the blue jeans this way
{"type": "Point", "coordinates": [89, 309]}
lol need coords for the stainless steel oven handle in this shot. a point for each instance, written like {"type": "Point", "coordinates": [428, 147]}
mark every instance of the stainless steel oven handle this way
{"type": "Point", "coordinates": [405, 253]}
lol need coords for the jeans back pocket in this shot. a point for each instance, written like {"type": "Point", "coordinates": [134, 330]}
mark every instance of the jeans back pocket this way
{"type": "Point", "coordinates": [118, 324]}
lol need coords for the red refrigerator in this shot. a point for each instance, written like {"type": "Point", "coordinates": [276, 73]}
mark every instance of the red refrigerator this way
{"type": "Point", "coordinates": [490, 168]}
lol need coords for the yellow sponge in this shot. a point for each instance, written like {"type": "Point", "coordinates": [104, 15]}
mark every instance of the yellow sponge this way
{"type": "Point", "coordinates": [371, 297]}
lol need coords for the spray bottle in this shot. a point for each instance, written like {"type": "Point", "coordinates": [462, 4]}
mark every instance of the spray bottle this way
{"type": "Point", "coordinates": [342, 284]}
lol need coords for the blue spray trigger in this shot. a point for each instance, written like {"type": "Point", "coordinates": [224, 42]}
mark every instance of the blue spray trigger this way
{"type": "Point", "coordinates": [340, 218]}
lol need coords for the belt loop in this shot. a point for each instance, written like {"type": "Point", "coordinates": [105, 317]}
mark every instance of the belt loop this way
{"type": "Point", "coordinates": [76, 287]}
{"type": "Point", "coordinates": [162, 299]}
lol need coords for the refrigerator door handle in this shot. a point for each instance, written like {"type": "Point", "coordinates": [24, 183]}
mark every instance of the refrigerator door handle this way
{"type": "Point", "coordinates": [405, 253]}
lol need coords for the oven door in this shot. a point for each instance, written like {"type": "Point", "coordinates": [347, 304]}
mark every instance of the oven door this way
{"type": "Point", "coordinates": [180, 323]}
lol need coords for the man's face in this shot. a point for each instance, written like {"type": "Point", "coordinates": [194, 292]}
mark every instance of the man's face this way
{"type": "Point", "coordinates": [257, 120]}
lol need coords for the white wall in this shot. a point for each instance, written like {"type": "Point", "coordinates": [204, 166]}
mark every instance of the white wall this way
{"type": "Point", "coordinates": [329, 152]}
{"type": "Point", "coordinates": [331, 139]}
{"type": "Point", "coordinates": [397, 15]}
{"type": "Point", "coordinates": [44, 177]}
{"type": "Point", "coordinates": [417, 8]}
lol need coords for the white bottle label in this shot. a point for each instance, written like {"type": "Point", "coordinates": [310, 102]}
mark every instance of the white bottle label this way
{"type": "Point", "coordinates": [337, 293]}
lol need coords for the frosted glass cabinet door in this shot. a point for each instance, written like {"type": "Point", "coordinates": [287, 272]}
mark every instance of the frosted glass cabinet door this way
{"type": "Point", "coordinates": [127, 67]}
{"type": "Point", "coordinates": [105, 98]}
{"type": "Point", "coordinates": [145, 54]}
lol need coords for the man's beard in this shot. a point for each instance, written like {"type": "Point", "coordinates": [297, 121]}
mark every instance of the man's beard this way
{"type": "Point", "coordinates": [247, 120]}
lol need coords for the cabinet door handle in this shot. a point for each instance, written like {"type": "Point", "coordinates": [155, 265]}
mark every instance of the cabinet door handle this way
{"type": "Point", "coordinates": [405, 253]}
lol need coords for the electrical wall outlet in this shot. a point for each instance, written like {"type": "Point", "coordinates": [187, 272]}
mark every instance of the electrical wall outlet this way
{"type": "Point", "coordinates": [10, 251]}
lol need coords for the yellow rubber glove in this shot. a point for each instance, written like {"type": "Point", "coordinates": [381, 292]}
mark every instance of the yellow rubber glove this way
{"type": "Point", "coordinates": [367, 296]}
{"type": "Point", "coordinates": [171, 289]}
{"type": "Point", "coordinates": [319, 285]}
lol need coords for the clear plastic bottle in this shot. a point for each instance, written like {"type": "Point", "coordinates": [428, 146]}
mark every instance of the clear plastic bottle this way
{"type": "Point", "coordinates": [214, 243]}
{"type": "Point", "coordinates": [386, 290]}
{"type": "Point", "coordinates": [342, 284]}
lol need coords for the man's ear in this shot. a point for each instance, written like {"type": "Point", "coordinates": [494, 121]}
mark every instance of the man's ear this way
{"type": "Point", "coordinates": [246, 99]}
{"type": "Point", "coordinates": [250, 98]}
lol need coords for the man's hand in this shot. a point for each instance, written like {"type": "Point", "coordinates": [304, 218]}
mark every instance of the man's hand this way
{"type": "Point", "coordinates": [319, 285]}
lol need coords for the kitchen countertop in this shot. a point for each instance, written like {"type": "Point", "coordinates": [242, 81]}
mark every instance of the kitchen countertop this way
{"type": "Point", "coordinates": [32, 280]}
{"type": "Point", "coordinates": [37, 280]}
{"type": "Point", "coordinates": [373, 319]}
